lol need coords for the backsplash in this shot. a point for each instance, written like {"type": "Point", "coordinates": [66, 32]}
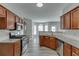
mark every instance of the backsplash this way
{"type": "Point", "coordinates": [4, 34]}
{"type": "Point", "coordinates": [72, 32]}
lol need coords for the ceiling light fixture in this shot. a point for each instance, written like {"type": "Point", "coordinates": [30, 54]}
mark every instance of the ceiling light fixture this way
{"type": "Point", "coordinates": [39, 4]}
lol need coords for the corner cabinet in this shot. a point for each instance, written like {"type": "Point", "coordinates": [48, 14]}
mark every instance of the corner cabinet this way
{"type": "Point", "coordinates": [10, 20]}
{"type": "Point", "coordinates": [47, 41]}
{"type": "Point", "coordinates": [70, 19]}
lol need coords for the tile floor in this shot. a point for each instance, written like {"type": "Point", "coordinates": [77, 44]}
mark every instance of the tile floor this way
{"type": "Point", "coordinates": [35, 50]}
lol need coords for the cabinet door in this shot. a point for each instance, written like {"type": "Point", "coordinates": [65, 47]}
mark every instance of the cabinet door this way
{"type": "Point", "coordinates": [67, 49]}
{"type": "Point", "coordinates": [2, 11]}
{"type": "Point", "coordinates": [3, 23]}
{"type": "Point", "coordinates": [75, 18]}
{"type": "Point", "coordinates": [67, 21]}
{"type": "Point", "coordinates": [47, 41]}
{"type": "Point", "coordinates": [53, 43]}
{"type": "Point", "coordinates": [42, 40]}
{"type": "Point", "coordinates": [6, 49]}
{"type": "Point", "coordinates": [17, 48]}
{"type": "Point", "coordinates": [10, 20]}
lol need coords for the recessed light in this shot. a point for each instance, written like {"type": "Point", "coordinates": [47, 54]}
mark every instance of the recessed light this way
{"type": "Point", "coordinates": [39, 4]}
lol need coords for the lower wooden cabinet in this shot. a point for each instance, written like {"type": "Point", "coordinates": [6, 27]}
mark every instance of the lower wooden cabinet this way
{"type": "Point", "coordinates": [75, 51]}
{"type": "Point", "coordinates": [70, 50]}
{"type": "Point", "coordinates": [67, 50]}
{"type": "Point", "coordinates": [42, 40]}
{"type": "Point", "coordinates": [53, 43]}
{"type": "Point", "coordinates": [48, 41]}
{"type": "Point", "coordinates": [10, 49]}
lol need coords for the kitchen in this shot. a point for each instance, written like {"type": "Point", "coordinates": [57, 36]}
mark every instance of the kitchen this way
{"type": "Point", "coordinates": [17, 32]}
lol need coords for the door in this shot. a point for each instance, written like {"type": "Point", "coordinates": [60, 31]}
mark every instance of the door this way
{"type": "Point", "coordinates": [67, 20]}
{"type": "Point", "coordinates": [75, 19]}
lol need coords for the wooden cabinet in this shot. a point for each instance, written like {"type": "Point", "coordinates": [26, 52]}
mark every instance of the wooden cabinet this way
{"type": "Point", "coordinates": [10, 49]}
{"type": "Point", "coordinates": [48, 41]}
{"type": "Point", "coordinates": [71, 19]}
{"type": "Point", "coordinates": [42, 40]}
{"type": "Point", "coordinates": [3, 23]}
{"type": "Point", "coordinates": [2, 11]}
{"type": "Point", "coordinates": [67, 20]}
{"type": "Point", "coordinates": [67, 50]}
{"type": "Point", "coordinates": [75, 19]}
{"type": "Point", "coordinates": [10, 20]}
{"type": "Point", "coordinates": [70, 50]}
{"type": "Point", "coordinates": [53, 43]}
{"type": "Point", "coordinates": [75, 51]}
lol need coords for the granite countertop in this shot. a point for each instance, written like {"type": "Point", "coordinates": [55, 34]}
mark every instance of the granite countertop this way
{"type": "Point", "coordinates": [70, 39]}
{"type": "Point", "coordinates": [9, 41]}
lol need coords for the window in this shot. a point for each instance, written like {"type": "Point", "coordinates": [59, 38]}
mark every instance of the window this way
{"type": "Point", "coordinates": [53, 28]}
{"type": "Point", "coordinates": [34, 30]}
{"type": "Point", "coordinates": [40, 27]}
{"type": "Point", "coordinates": [46, 27]}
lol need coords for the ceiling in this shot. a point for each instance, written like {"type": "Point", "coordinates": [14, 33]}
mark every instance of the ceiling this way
{"type": "Point", "coordinates": [49, 12]}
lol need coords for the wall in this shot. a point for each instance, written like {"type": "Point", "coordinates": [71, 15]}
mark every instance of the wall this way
{"type": "Point", "coordinates": [56, 24]}
{"type": "Point", "coordinates": [4, 35]}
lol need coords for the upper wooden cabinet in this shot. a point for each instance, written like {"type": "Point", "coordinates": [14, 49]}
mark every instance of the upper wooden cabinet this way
{"type": "Point", "coordinates": [2, 11]}
{"type": "Point", "coordinates": [3, 23]}
{"type": "Point", "coordinates": [71, 19]}
{"type": "Point", "coordinates": [75, 19]}
{"type": "Point", "coordinates": [67, 20]}
{"type": "Point", "coordinates": [10, 20]}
